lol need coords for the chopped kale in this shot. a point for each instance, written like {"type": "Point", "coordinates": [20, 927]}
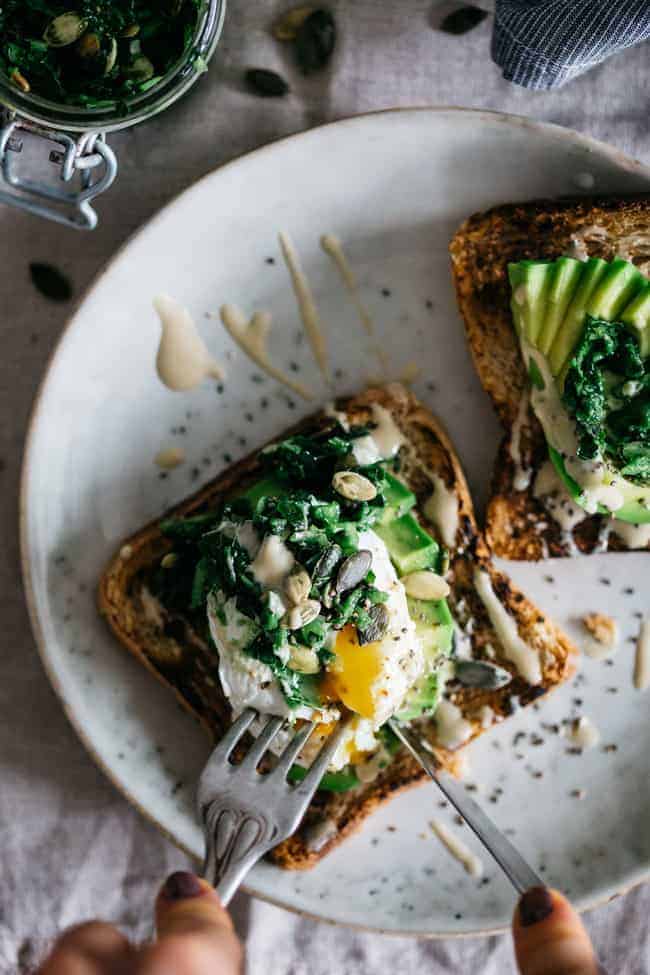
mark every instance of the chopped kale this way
{"type": "Point", "coordinates": [607, 393]}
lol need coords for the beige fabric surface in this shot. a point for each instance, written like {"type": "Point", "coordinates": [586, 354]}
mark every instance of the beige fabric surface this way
{"type": "Point", "coordinates": [71, 847]}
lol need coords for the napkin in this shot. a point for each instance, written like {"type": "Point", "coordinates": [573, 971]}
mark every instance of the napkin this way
{"type": "Point", "coordinates": [542, 44]}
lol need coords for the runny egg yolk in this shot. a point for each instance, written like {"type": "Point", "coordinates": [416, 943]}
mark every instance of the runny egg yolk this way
{"type": "Point", "coordinates": [353, 673]}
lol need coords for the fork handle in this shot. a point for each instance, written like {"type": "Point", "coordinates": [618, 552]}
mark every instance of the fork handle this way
{"type": "Point", "coordinates": [235, 841]}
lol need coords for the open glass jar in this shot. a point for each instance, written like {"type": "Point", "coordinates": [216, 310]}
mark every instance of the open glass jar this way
{"type": "Point", "coordinates": [75, 136]}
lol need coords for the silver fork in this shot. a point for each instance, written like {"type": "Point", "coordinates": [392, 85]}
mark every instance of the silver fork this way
{"type": "Point", "coordinates": [246, 813]}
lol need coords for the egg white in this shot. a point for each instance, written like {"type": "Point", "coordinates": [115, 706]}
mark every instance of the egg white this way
{"type": "Point", "coordinates": [396, 662]}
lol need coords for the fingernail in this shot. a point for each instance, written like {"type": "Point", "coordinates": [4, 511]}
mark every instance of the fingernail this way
{"type": "Point", "coordinates": [180, 885]}
{"type": "Point", "coordinates": [535, 905]}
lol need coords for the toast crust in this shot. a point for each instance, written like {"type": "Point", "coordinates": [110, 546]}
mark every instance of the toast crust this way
{"type": "Point", "coordinates": [176, 655]}
{"type": "Point", "coordinates": [518, 526]}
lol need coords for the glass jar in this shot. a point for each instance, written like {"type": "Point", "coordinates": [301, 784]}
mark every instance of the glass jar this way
{"type": "Point", "coordinates": [76, 135]}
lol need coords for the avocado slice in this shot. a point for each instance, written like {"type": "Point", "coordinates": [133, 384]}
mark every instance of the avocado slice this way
{"type": "Point", "coordinates": [635, 510]}
{"type": "Point", "coordinates": [615, 290]}
{"type": "Point", "coordinates": [573, 322]}
{"type": "Point", "coordinates": [423, 698]}
{"type": "Point", "coordinates": [564, 283]}
{"type": "Point", "coordinates": [636, 315]}
{"type": "Point", "coordinates": [530, 282]}
{"type": "Point", "coordinates": [409, 546]}
{"type": "Point", "coordinates": [399, 499]}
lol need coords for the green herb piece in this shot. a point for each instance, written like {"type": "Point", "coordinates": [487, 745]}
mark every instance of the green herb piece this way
{"type": "Point", "coordinates": [535, 375]}
{"type": "Point", "coordinates": [96, 55]}
{"type": "Point", "coordinates": [341, 781]}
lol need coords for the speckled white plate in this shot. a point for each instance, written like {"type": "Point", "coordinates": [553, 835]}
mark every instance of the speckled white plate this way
{"type": "Point", "coordinates": [393, 186]}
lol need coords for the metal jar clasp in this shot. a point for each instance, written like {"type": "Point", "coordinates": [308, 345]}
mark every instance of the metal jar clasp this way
{"type": "Point", "coordinates": [87, 167]}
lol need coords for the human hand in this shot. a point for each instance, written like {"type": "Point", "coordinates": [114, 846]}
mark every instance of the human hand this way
{"type": "Point", "coordinates": [195, 936]}
{"type": "Point", "coordinates": [550, 938]}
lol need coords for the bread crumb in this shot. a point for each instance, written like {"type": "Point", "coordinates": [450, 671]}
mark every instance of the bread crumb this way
{"type": "Point", "coordinates": [602, 628]}
{"type": "Point", "coordinates": [602, 635]}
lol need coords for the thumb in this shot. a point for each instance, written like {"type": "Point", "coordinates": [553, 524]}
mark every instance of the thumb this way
{"type": "Point", "coordinates": [195, 932]}
{"type": "Point", "coordinates": [549, 936]}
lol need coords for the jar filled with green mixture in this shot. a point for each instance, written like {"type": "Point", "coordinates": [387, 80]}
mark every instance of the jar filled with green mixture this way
{"type": "Point", "coordinates": [73, 70]}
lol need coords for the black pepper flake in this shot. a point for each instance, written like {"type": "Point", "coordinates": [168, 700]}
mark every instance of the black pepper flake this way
{"type": "Point", "coordinates": [428, 304]}
{"type": "Point", "coordinates": [294, 367]}
{"type": "Point", "coordinates": [177, 787]}
{"type": "Point", "coordinates": [612, 690]}
{"type": "Point", "coordinates": [270, 260]}
{"type": "Point", "coordinates": [50, 282]}
{"type": "Point", "coordinates": [458, 916]}
{"type": "Point", "coordinates": [163, 475]}
{"type": "Point", "coordinates": [610, 748]}
{"type": "Point", "coordinates": [386, 292]}
{"type": "Point", "coordinates": [182, 429]}
{"type": "Point", "coordinates": [577, 701]}
{"type": "Point", "coordinates": [291, 404]}
{"type": "Point", "coordinates": [219, 388]}
{"type": "Point", "coordinates": [249, 417]}
{"type": "Point", "coordinates": [549, 579]}
{"type": "Point", "coordinates": [628, 590]}
{"type": "Point", "coordinates": [338, 374]}
{"type": "Point", "coordinates": [460, 21]}
{"type": "Point", "coordinates": [194, 473]}
{"type": "Point", "coordinates": [264, 402]}
{"type": "Point", "coordinates": [227, 458]}
{"type": "Point", "coordinates": [605, 582]}
{"type": "Point", "coordinates": [257, 378]}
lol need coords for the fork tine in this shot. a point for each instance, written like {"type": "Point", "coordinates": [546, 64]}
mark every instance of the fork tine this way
{"type": "Point", "coordinates": [319, 766]}
{"type": "Point", "coordinates": [261, 743]}
{"type": "Point", "coordinates": [234, 735]}
{"type": "Point", "coordinates": [293, 749]}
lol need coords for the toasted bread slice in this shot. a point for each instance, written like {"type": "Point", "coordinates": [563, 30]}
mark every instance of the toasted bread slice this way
{"type": "Point", "coordinates": [167, 644]}
{"type": "Point", "coordinates": [518, 524]}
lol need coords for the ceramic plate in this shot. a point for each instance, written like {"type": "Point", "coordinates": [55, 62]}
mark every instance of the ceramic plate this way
{"type": "Point", "coordinates": [393, 186]}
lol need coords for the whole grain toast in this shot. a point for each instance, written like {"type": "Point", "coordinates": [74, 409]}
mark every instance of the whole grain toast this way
{"type": "Point", "coordinates": [518, 525]}
{"type": "Point", "coordinates": [169, 646]}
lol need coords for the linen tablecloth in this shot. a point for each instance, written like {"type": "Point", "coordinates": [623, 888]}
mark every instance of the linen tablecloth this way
{"type": "Point", "coordinates": [71, 846]}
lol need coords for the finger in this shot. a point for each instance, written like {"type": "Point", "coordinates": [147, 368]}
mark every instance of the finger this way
{"type": "Point", "coordinates": [195, 932]}
{"type": "Point", "coordinates": [549, 936]}
{"type": "Point", "coordinates": [90, 948]}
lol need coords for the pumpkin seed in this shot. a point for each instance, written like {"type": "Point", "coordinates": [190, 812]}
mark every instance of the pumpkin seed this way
{"type": "Point", "coordinates": [326, 564]}
{"type": "Point", "coordinates": [303, 660]}
{"type": "Point", "coordinates": [315, 41]}
{"type": "Point", "coordinates": [353, 570]}
{"type": "Point", "coordinates": [376, 627]}
{"type": "Point", "coordinates": [480, 673]}
{"type": "Point", "coordinates": [303, 614]}
{"type": "Point", "coordinates": [286, 27]}
{"type": "Point", "coordinates": [266, 83]}
{"type": "Point", "coordinates": [18, 79]}
{"type": "Point", "coordinates": [139, 70]}
{"type": "Point", "coordinates": [51, 282]}
{"type": "Point", "coordinates": [64, 29]}
{"type": "Point", "coordinates": [353, 486]}
{"type": "Point", "coordinates": [131, 31]}
{"type": "Point", "coordinates": [461, 20]}
{"type": "Point", "coordinates": [298, 585]}
{"type": "Point", "coordinates": [425, 585]}
{"type": "Point", "coordinates": [97, 54]}
{"type": "Point", "coordinates": [169, 560]}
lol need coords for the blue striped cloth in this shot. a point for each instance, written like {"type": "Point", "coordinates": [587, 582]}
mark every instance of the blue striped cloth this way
{"type": "Point", "coordinates": [544, 43]}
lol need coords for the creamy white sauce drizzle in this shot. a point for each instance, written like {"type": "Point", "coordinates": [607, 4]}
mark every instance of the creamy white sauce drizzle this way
{"type": "Point", "coordinates": [383, 442]}
{"type": "Point", "coordinates": [642, 657]}
{"type": "Point", "coordinates": [634, 536]}
{"type": "Point", "coordinates": [560, 505]}
{"type": "Point", "coordinates": [272, 563]}
{"type": "Point", "coordinates": [306, 304]}
{"type": "Point", "coordinates": [523, 472]}
{"type": "Point", "coordinates": [183, 361]}
{"type": "Point", "coordinates": [252, 338]}
{"type": "Point", "coordinates": [583, 733]}
{"type": "Point", "coordinates": [486, 717]}
{"type": "Point", "coordinates": [472, 864]}
{"type": "Point", "coordinates": [597, 483]}
{"type": "Point", "coordinates": [515, 649]}
{"type": "Point", "coordinates": [169, 457]}
{"type": "Point", "coordinates": [578, 241]}
{"type": "Point", "coordinates": [441, 509]}
{"type": "Point", "coordinates": [452, 730]}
